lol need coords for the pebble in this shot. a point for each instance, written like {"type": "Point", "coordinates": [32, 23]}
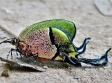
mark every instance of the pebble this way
{"type": "Point", "coordinates": [45, 67]}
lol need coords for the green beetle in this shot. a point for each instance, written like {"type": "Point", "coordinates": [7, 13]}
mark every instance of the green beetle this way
{"type": "Point", "coordinates": [53, 40]}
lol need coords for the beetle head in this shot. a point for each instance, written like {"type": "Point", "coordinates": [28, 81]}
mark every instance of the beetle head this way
{"type": "Point", "coordinates": [12, 41]}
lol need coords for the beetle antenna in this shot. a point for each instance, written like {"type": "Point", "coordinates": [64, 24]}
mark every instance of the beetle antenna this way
{"type": "Point", "coordinates": [11, 40]}
{"type": "Point", "coordinates": [7, 41]}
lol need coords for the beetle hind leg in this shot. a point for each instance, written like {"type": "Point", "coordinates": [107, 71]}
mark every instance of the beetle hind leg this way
{"type": "Point", "coordinates": [82, 48]}
{"type": "Point", "coordinates": [102, 61]}
{"type": "Point", "coordinates": [72, 61]}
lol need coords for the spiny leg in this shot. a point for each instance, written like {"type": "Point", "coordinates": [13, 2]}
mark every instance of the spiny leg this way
{"type": "Point", "coordinates": [96, 62]}
{"type": "Point", "coordinates": [10, 52]}
{"type": "Point", "coordinates": [82, 48]}
{"type": "Point", "coordinates": [16, 54]}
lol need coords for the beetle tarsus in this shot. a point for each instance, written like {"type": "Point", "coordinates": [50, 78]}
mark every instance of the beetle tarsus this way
{"type": "Point", "coordinates": [96, 62]}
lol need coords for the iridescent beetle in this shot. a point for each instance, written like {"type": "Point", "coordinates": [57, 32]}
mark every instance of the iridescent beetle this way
{"type": "Point", "coordinates": [52, 40]}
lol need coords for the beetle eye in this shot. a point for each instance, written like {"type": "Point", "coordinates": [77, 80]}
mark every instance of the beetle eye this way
{"type": "Point", "coordinates": [17, 40]}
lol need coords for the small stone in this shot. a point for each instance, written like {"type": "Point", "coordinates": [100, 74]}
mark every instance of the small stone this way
{"type": "Point", "coordinates": [45, 67]}
{"type": "Point", "coordinates": [5, 73]}
{"type": "Point", "coordinates": [77, 77]}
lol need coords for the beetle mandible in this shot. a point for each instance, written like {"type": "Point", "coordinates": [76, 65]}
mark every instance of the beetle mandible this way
{"type": "Point", "coordinates": [53, 40]}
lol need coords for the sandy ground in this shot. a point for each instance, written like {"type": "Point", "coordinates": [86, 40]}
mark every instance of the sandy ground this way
{"type": "Point", "coordinates": [15, 15]}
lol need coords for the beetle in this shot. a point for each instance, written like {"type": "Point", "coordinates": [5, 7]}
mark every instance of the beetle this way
{"type": "Point", "coordinates": [53, 40]}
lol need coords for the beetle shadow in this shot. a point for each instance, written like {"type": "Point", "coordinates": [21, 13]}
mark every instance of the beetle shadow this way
{"type": "Point", "coordinates": [52, 64]}
{"type": "Point", "coordinates": [25, 69]}
{"type": "Point", "coordinates": [27, 65]}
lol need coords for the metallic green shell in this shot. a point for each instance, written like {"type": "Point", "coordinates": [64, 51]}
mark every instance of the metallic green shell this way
{"type": "Point", "coordinates": [44, 37]}
{"type": "Point", "coordinates": [41, 43]}
{"type": "Point", "coordinates": [66, 26]}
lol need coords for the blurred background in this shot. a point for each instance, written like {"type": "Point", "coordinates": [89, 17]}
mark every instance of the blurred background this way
{"type": "Point", "coordinates": [93, 18]}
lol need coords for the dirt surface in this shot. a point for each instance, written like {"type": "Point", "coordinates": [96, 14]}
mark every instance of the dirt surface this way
{"type": "Point", "coordinates": [15, 15]}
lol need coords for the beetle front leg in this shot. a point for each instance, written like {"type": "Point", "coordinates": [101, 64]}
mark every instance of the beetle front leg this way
{"type": "Point", "coordinates": [10, 52]}
{"type": "Point", "coordinates": [98, 61]}
{"type": "Point", "coordinates": [82, 48]}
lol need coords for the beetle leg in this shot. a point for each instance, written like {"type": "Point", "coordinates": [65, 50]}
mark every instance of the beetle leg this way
{"type": "Point", "coordinates": [98, 61]}
{"type": "Point", "coordinates": [82, 48]}
{"type": "Point", "coordinates": [72, 61]}
{"type": "Point", "coordinates": [35, 63]}
{"type": "Point", "coordinates": [21, 55]}
{"type": "Point", "coordinates": [10, 52]}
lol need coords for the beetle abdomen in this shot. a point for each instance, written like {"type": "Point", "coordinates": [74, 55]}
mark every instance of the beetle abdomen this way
{"type": "Point", "coordinates": [40, 43]}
